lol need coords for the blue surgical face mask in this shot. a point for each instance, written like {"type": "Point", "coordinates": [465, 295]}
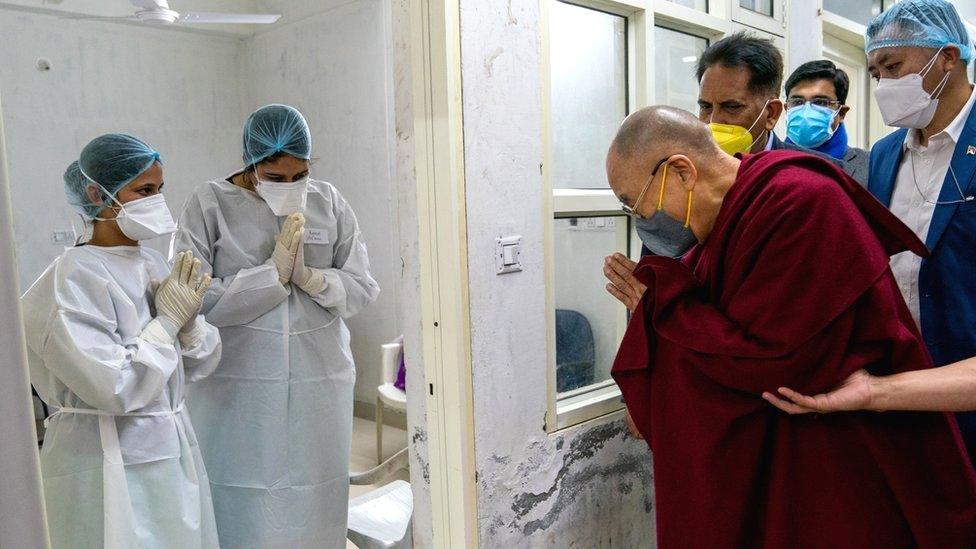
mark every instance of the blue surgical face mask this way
{"type": "Point", "coordinates": [665, 235]}
{"type": "Point", "coordinates": [810, 126]}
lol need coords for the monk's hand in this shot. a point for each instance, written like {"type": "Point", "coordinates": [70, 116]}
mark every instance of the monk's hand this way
{"type": "Point", "coordinates": [856, 393]}
{"type": "Point", "coordinates": [619, 270]}
{"type": "Point", "coordinates": [631, 426]}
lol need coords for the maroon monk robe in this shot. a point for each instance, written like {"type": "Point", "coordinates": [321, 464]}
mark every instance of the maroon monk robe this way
{"type": "Point", "coordinates": [792, 288]}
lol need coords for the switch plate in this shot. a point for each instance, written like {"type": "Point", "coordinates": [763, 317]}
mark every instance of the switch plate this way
{"type": "Point", "coordinates": [508, 253]}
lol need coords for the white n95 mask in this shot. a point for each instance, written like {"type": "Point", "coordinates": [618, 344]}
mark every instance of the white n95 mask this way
{"type": "Point", "coordinates": [283, 198]}
{"type": "Point", "coordinates": [904, 103]}
{"type": "Point", "coordinates": [145, 218]}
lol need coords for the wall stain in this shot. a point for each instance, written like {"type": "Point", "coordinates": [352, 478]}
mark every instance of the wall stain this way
{"type": "Point", "coordinates": [419, 438]}
{"type": "Point", "coordinates": [569, 484]}
{"type": "Point", "coordinates": [490, 60]}
{"type": "Point", "coordinates": [572, 484]}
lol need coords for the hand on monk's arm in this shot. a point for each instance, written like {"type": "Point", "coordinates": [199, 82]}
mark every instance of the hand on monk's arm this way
{"type": "Point", "coordinates": [951, 388]}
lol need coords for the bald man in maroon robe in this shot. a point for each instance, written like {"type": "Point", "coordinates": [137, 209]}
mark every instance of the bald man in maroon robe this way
{"type": "Point", "coordinates": [788, 286]}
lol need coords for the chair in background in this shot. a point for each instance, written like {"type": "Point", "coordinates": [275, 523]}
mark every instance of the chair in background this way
{"type": "Point", "coordinates": [381, 519]}
{"type": "Point", "coordinates": [388, 394]}
{"type": "Point", "coordinates": [575, 351]}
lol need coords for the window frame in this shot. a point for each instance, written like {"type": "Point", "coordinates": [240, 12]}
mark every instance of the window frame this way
{"type": "Point", "coordinates": [601, 398]}
{"type": "Point", "coordinates": [604, 398]}
{"type": "Point", "coordinates": [852, 32]}
{"type": "Point", "coordinates": [775, 24]}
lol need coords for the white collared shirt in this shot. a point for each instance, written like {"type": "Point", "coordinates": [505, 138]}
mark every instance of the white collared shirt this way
{"type": "Point", "coordinates": [912, 204]}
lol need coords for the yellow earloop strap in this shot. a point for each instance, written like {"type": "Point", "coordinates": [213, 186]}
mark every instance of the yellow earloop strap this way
{"type": "Point", "coordinates": [688, 215]}
{"type": "Point", "coordinates": [660, 195]}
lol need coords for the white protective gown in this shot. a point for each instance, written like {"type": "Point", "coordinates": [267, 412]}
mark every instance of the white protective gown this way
{"type": "Point", "coordinates": [120, 462]}
{"type": "Point", "coordinates": [275, 420]}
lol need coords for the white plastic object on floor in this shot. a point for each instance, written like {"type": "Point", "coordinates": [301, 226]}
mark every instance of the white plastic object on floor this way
{"type": "Point", "coordinates": [387, 394]}
{"type": "Point", "coordinates": [381, 519]}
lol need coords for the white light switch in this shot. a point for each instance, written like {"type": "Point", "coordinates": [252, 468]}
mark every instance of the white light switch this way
{"type": "Point", "coordinates": [509, 254]}
{"type": "Point", "coordinates": [508, 251]}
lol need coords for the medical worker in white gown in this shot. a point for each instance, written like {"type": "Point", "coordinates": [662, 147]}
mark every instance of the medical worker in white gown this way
{"type": "Point", "coordinates": [113, 336]}
{"type": "Point", "coordinates": [288, 265]}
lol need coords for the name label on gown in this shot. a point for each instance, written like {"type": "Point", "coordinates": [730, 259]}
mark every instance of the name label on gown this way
{"type": "Point", "coordinates": [316, 236]}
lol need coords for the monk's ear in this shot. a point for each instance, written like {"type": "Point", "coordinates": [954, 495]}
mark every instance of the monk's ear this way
{"type": "Point", "coordinates": [684, 169]}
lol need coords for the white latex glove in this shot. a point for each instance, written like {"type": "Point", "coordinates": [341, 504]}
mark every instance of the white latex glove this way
{"type": "Point", "coordinates": [309, 279]}
{"type": "Point", "coordinates": [192, 333]}
{"type": "Point", "coordinates": [180, 297]}
{"type": "Point", "coordinates": [286, 246]}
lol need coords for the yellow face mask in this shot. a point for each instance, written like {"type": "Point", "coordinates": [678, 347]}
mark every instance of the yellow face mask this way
{"type": "Point", "coordinates": [735, 139]}
{"type": "Point", "coordinates": [730, 138]}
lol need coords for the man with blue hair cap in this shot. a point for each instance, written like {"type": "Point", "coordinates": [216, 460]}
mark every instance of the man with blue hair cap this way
{"type": "Point", "coordinates": [925, 173]}
{"type": "Point", "coordinates": [289, 264]}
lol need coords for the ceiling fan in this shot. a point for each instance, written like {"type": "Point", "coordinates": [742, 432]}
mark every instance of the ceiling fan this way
{"type": "Point", "coordinates": [157, 12]}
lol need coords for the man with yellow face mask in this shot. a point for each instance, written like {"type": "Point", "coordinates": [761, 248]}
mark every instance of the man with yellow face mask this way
{"type": "Point", "coordinates": [739, 81]}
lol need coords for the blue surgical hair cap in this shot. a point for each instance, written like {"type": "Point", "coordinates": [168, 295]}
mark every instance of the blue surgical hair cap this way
{"type": "Point", "coordinates": [274, 129]}
{"type": "Point", "coordinates": [109, 162]}
{"type": "Point", "coordinates": [919, 23]}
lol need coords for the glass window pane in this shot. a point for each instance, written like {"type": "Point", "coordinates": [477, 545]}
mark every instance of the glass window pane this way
{"type": "Point", "coordinates": [701, 5]}
{"type": "Point", "coordinates": [675, 57]}
{"type": "Point", "coordinates": [861, 11]}
{"type": "Point", "coordinates": [764, 7]}
{"type": "Point", "coordinates": [588, 63]}
{"type": "Point", "coordinates": [589, 322]}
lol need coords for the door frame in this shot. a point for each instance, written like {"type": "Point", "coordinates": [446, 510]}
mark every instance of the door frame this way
{"type": "Point", "coordinates": [23, 520]}
{"type": "Point", "coordinates": [435, 40]}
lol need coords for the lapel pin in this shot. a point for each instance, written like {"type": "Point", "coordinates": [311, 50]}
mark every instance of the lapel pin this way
{"type": "Point", "coordinates": [971, 150]}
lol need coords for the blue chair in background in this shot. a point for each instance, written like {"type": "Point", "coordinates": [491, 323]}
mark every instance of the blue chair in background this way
{"type": "Point", "coordinates": [575, 351]}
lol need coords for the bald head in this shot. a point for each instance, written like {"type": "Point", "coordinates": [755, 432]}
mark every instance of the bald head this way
{"type": "Point", "coordinates": [653, 133]}
{"type": "Point", "coordinates": [696, 170]}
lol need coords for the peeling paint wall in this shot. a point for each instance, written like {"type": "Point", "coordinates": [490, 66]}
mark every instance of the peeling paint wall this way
{"type": "Point", "coordinates": [587, 486]}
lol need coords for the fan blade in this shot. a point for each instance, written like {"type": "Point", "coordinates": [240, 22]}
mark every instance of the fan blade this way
{"type": "Point", "coordinates": [99, 18]}
{"type": "Point", "coordinates": [229, 18]}
{"type": "Point", "coordinates": [150, 4]}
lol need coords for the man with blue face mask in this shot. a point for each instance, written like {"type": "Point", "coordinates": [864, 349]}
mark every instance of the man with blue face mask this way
{"type": "Point", "coordinates": [816, 96]}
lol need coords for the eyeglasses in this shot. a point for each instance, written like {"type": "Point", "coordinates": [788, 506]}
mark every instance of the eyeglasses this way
{"type": "Point", "coordinates": [962, 196]}
{"type": "Point", "coordinates": [816, 101]}
{"type": "Point", "coordinates": [632, 210]}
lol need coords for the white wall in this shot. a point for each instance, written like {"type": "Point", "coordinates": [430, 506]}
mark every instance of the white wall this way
{"type": "Point", "coordinates": [187, 94]}
{"type": "Point", "coordinates": [176, 90]}
{"type": "Point", "coordinates": [336, 67]}
{"type": "Point", "coordinates": [587, 486]}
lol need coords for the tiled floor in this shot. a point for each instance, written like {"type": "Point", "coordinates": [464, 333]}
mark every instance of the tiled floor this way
{"type": "Point", "coordinates": [363, 455]}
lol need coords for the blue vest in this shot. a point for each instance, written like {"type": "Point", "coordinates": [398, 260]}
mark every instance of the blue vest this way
{"type": "Point", "coordinates": [947, 281]}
